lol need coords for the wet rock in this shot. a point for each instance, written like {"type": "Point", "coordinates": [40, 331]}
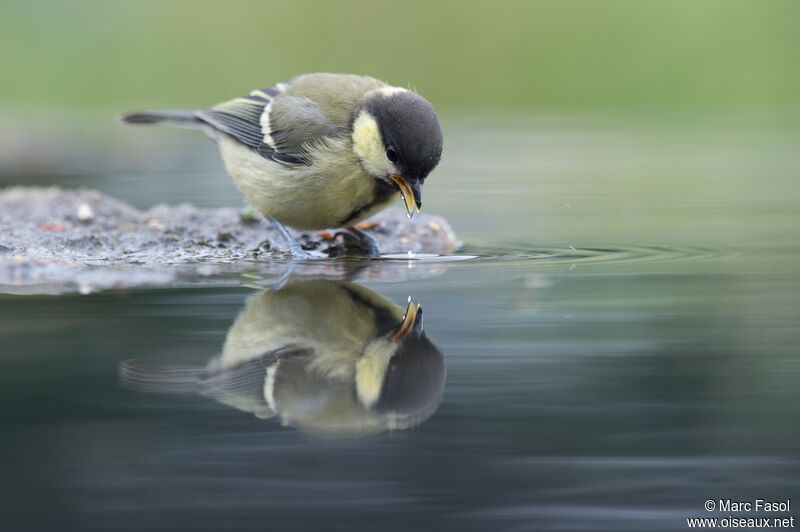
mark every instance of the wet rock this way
{"type": "Point", "coordinates": [52, 236]}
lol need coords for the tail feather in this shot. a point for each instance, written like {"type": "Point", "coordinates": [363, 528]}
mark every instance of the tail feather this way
{"type": "Point", "coordinates": [178, 117]}
{"type": "Point", "coordinates": [140, 376]}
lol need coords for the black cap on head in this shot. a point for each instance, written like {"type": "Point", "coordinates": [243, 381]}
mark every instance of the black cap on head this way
{"type": "Point", "coordinates": [409, 128]}
{"type": "Point", "coordinates": [414, 381]}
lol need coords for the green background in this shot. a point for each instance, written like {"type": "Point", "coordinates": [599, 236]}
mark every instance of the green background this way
{"type": "Point", "coordinates": [464, 56]}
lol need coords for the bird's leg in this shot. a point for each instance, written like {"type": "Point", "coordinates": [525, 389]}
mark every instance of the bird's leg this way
{"type": "Point", "coordinates": [284, 278]}
{"type": "Point", "coordinates": [294, 246]}
{"type": "Point", "coordinates": [357, 240]}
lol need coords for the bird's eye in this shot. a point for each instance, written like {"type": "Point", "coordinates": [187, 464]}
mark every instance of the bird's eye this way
{"type": "Point", "coordinates": [391, 154]}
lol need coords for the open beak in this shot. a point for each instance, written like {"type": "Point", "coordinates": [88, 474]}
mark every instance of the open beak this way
{"type": "Point", "coordinates": [412, 321]}
{"type": "Point", "coordinates": [411, 191]}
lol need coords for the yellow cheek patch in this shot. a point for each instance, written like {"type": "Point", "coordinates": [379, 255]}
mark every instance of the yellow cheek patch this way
{"type": "Point", "coordinates": [368, 146]}
{"type": "Point", "coordinates": [371, 369]}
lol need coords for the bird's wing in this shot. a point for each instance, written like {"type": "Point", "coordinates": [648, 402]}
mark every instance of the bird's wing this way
{"type": "Point", "coordinates": [238, 118]}
{"type": "Point", "coordinates": [242, 386]}
{"type": "Point", "coordinates": [291, 124]}
{"type": "Point", "coordinates": [284, 121]}
{"type": "Point", "coordinates": [278, 126]}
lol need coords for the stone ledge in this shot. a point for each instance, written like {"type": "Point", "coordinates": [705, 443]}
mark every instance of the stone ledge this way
{"type": "Point", "coordinates": [51, 234]}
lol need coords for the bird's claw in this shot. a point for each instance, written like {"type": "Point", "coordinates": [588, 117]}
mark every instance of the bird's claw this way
{"type": "Point", "coordinates": [353, 241]}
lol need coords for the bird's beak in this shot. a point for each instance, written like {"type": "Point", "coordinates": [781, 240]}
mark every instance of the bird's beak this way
{"type": "Point", "coordinates": [411, 191]}
{"type": "Point", "coordinates": [412, 321]}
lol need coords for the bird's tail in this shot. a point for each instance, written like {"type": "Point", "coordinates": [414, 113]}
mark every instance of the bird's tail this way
{"type": "Point", "coordinates": [143, 377]}
{"type": "Point", "coordinates": [173, 117]}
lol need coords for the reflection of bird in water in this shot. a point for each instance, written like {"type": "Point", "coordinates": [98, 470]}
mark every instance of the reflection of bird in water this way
{"type": "Point", "coordinates": [327, 357]}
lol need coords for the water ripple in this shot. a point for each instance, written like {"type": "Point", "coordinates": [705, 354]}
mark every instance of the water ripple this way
{"type": "Point", "coordinates": [607, 254]}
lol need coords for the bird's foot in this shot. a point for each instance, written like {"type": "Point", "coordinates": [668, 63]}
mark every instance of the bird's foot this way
{"type": "Point", "coordinates": [353, 241]}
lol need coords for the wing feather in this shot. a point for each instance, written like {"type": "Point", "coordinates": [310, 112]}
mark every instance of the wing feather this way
{"type": "Point", "coordinates": [278, 126]}
{"type": "Point", "coordinates": [238, 118]}
{"type": "Point", "coordinates": [296, 123]}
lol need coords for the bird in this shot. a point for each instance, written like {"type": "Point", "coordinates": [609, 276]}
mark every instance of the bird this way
{"type": "Point", "coordinates": [331, 358]}
{"type": "Point", "coordinates": [321, 151]}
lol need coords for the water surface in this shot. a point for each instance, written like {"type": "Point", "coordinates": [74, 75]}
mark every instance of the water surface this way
{"type": "Point", "coordinates": [621, 348]}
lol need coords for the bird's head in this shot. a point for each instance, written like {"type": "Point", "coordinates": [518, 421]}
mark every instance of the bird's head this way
{"type": "Point", "coordinates": [397, 138]}
{"type": "Point", "coordinates": [401, 374]}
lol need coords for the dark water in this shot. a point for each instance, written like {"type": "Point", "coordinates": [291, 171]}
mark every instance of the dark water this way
{"type": "Point", "coordinates": [614, 386]}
